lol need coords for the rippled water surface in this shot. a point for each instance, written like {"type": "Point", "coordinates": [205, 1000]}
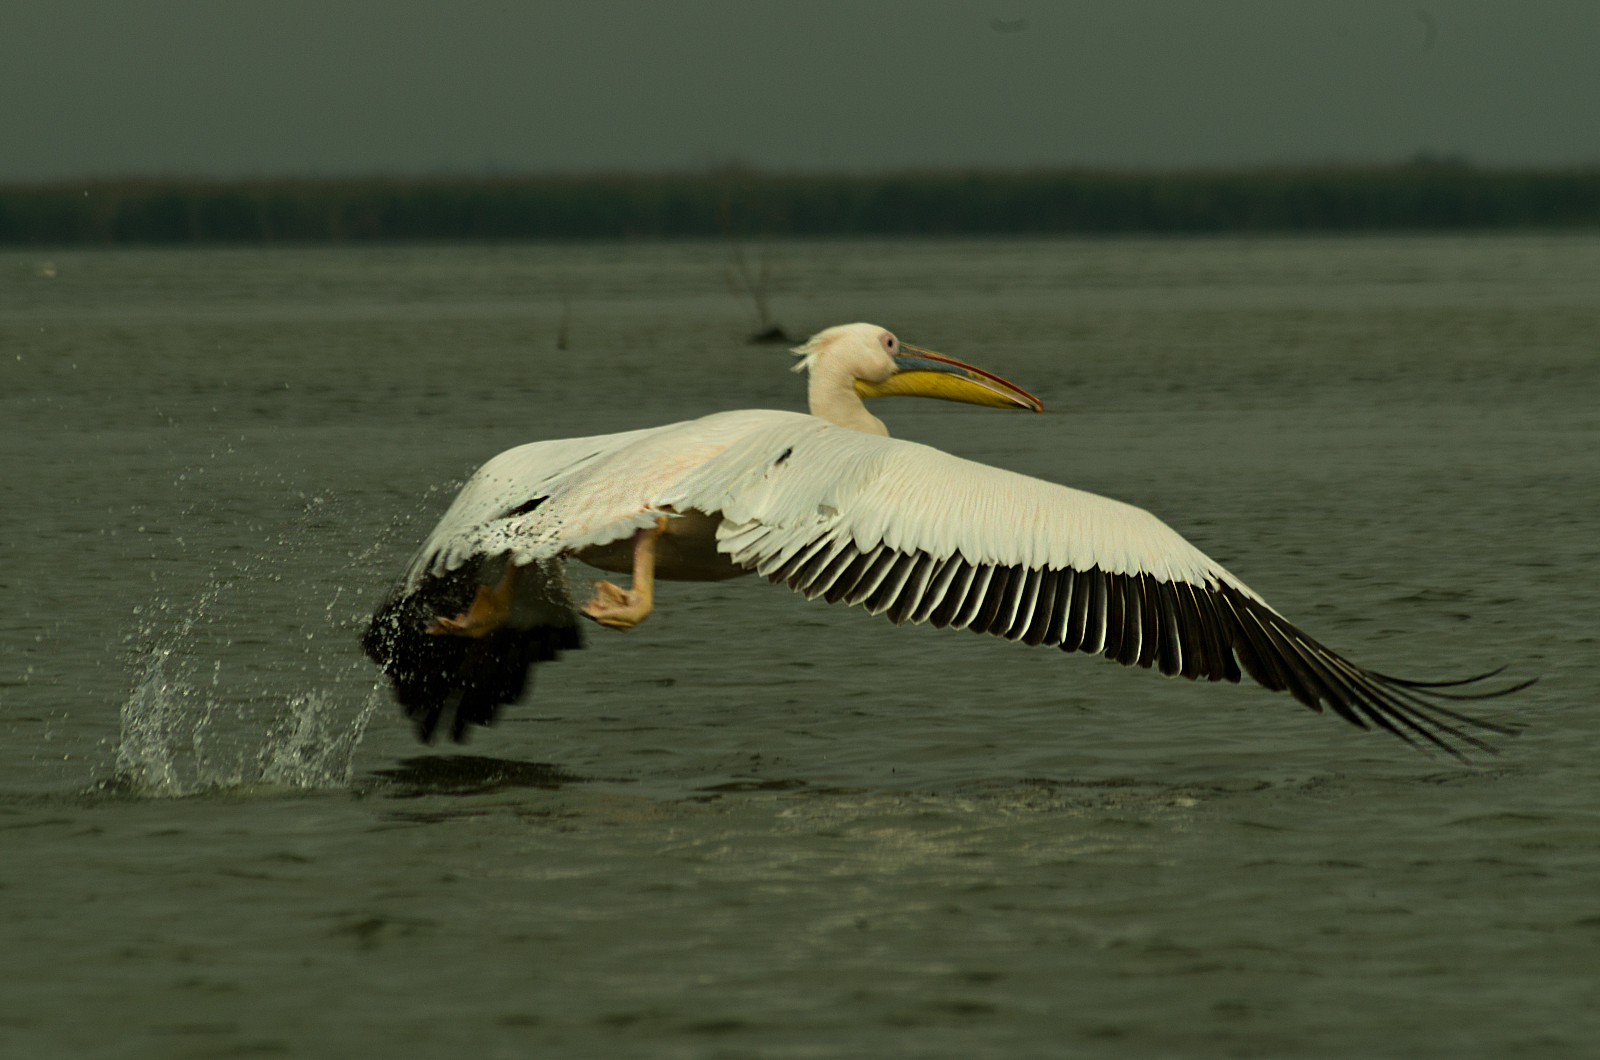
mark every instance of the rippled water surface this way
{"type": "Point", "coordinates": [757, 826]}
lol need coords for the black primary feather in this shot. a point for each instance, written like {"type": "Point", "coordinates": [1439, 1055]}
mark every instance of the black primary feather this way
{"type": "Point", "coordinates": [1212, 631]}
{"type": "Point", "coordinates": [457, 681]}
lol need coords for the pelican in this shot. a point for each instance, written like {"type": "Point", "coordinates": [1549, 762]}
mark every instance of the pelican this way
{"type": "Point", "coordinates": [832, 507]}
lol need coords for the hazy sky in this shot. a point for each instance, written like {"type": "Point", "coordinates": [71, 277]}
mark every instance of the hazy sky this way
{"type": "Point", "coordinates": [268, 87]}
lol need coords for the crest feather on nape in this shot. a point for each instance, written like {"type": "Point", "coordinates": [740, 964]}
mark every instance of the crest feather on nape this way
{"type": "Point", "coordinates": [807, 353]}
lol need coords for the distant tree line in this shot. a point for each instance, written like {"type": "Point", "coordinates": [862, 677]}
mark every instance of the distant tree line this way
{"type": "Point", "coordinates": [1421, 196]}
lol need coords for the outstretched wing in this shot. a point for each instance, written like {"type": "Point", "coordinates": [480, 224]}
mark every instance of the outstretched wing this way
{"type": "Point", "coordinates": [462, 681]}
{"type": "Point", "coordinates": [916, 534]}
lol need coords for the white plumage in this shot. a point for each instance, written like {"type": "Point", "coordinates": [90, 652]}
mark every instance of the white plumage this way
{"type": "Point", "coordinates": [829, 505]}
{"type": "Point", "coordinates": [831, 485]}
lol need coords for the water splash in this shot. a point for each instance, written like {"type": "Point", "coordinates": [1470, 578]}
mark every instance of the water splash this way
{"type": "Point", "coordinates": [313, 748]}
{"type": "Point", "coordinates": [246, 671]}
{"type": "Point", "coordinates": [171, 745]}
{"type": "Point", "coordinates": [157, 727]}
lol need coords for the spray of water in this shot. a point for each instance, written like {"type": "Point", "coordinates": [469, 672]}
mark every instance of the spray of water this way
{"type": "Point", "coordinates": [177, 740]}
{"type": "Point", "coordinates": [254, 681]}
{"type": "Point", "coordinates": [315, 747]}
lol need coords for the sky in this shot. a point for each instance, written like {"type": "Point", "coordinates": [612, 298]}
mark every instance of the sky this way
{"type": "Point", "coordinates": [229, 88]}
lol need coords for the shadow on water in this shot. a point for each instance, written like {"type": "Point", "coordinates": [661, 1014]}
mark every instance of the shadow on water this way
{"type": "Point", "coordinates": [465, 775]}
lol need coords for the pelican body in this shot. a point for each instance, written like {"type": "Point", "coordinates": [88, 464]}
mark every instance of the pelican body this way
{"type": "Point", "coordinates": [832, 507]}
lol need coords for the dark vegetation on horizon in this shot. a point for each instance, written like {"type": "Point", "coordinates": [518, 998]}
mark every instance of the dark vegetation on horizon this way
{"type": "Point", "coordinates": [1421, 195]}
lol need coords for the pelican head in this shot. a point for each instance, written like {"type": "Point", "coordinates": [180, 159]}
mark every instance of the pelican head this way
{"type": "Point", "coordinates": [854, 361]}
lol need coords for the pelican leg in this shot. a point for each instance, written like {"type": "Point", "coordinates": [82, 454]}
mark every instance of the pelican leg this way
{"type": "Point", "coordinates": [619, 608]}
{"type": "Point", "coordinates": [489, 610]}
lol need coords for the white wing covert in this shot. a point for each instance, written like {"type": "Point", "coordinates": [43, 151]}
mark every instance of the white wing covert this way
{"type": "Point", "coordinates": [510, 484]}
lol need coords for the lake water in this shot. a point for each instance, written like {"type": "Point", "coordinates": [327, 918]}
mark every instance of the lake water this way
{"type": "Point", "coordinates": [757, 826]}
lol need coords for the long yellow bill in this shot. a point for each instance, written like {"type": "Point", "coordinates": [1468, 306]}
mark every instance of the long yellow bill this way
{"type": "Point", "coordinates": [923, 373]}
